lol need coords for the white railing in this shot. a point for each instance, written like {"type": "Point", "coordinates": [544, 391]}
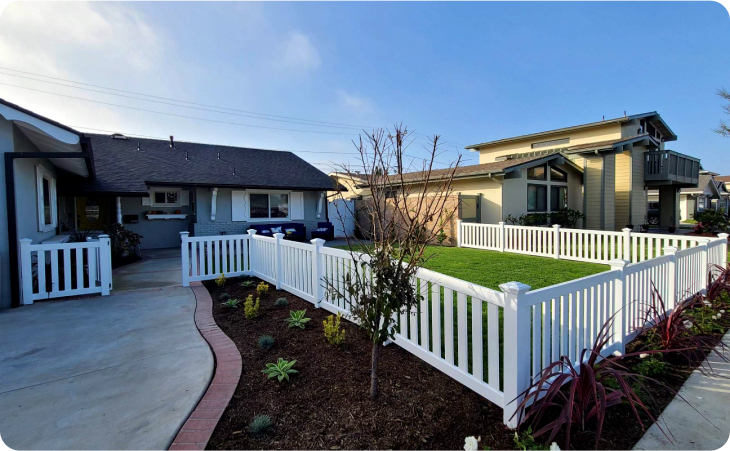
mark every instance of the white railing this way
{"type": "Point", "coordinates": [594, 246]}
{"type": "Point", "coordinates": [57, 270]}
{"type": "Point", "coordinates": [493, 342]}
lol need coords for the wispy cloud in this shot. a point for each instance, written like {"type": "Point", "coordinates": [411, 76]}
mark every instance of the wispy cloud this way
{"type": "Point", "coordinates": [298, 53]}
{"type": "Point", "coordinates": [353, 102]}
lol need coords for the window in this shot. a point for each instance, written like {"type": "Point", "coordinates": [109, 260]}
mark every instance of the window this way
{"type": "Point", "coordinates": [269, 205]}
{"type": "Point", "coordinates": [701, 203]}
{"type": "Point", "coordinates": [536, 197]}
{"type": "Point", "coordinates": [165, 198]}
{"type": "Point", "coordinates": [537, 173]}
{"type": "Point", "coordinates": [558, 175]}
{"type": "Point", "coordinates": [46, 191]}
{"type": "Point", "coordinates": [558, 198]}
{"type": "Point", "coordinates": [554, 142]}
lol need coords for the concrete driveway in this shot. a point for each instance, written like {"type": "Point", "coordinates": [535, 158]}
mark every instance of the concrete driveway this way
{"type": "Point", "coordinates": [116, 372]}
{"type": "Point", "coordinates": [158, 268]}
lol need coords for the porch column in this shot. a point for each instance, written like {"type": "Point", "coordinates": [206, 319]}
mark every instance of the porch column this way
{"type": "Point", "coordinates": [668, 206]}
{"type": "Point", "coordinates": [119, 210]}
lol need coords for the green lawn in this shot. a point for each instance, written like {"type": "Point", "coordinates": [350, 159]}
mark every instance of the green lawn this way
{"type": "Point", "coordinates": [491, 268]}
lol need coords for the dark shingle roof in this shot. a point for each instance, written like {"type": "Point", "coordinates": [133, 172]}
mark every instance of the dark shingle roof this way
{"type": "Point", "coordinates": [121, 168]}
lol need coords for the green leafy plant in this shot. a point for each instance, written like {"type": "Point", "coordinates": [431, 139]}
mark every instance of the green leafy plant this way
{"type": "Point", "coordinates": [297, 319]}
{"type": "Point", "coordinates": [224, 296]}
{"type": "Point", "coordinates": [123, 242]}
{"type": "Point", "coordinates": [261, 424]}
{"type": "Point", "coordinates": [712, 221]}
{"type": "Point", "coordinates": [251, 308]}
{"type": "Point", "coordinates": [281, 302]}
{"type": "Point", "coordinates": [248, 283]}
{"type": "Point", "coordinates": [652, 365]}
{"type": "Point", "coordinates": [332, 332]}
{"type": "Point", "coordinates": [262, 289]}
{"type": "Point", "coordinates": [280, 370]}
{"type": "Point", "coordinates": [231, 303]}
{"type": "Point", "coordinates": [221, 280]}
{"type": "Point", "coordinates": [266, 342]}
{"type": "Point", "coordinates": [525, 441]}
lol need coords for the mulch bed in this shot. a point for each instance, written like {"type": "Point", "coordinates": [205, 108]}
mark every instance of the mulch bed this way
{"type": "Point", "coordinates": [327, 404]}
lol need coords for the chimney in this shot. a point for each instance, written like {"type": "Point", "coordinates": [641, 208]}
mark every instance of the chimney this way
{"type": "Point", "coordinates": [172, 142]}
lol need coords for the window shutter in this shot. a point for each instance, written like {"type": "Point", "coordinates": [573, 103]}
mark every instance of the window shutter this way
{"type": "Point", "coordinates": [239, 206]}
{"type": "Point", "coordinates": [184, 198]}
{"type": "Point", "coordinates": [296, 205]}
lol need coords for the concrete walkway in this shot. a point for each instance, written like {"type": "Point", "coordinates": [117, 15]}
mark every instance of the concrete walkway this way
{"type": "Point", "coordinates": [711, 397]}
{"type": "Point", "coordinates": [117, 372]}
{"type": "Point", "coordinates": [158, 268]}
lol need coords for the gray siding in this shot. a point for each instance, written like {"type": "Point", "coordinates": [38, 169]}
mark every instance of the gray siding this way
{"type": "Point", "coordinates": [156, 233]}
{"type": "Point", "coordinates": [205, 227]}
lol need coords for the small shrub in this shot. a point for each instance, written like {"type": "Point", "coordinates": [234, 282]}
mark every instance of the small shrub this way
{"type": "Point", "coordinates": [251, 309]}
{"type": "Point", "coordinates": [297, 319]}
{"type": "Point", "coordinates": [262, 289]}
{"type": "Point", "coordinates": [280, 370]}
{"type": "Point", "coordinates": [525, 441]}
{"type": "Point", "coordinates": [652, 365]}
{"type": "Point", "coordinates": [231, 303]}
{"type": "Point", "coordinates": [248, 283]}
{"type": "Point", "coordinates": [281, 302]}
{"type": "Point", "coordinates": [224, 297]}
{"type": "Point", "coordinates": [266, 342]}
{"type": "Point", "coordinates": [221, 280]}
{"type": "Point", "coordinates": [261, 424]}
{"type": "Point", "coordinates": [332, 332]}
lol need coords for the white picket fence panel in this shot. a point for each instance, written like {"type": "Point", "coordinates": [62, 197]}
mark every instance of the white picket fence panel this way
{"type": "Point", "coordinates": [594, 246]}
{"type": "Point", "coordinates": [75, 269]}
{"type": "Point", "coordinates": [493, 342]}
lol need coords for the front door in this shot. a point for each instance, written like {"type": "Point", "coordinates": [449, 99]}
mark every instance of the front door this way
{"type": "Point", "coordinates": [91, 213]}
{"type": "Point", "coordinates": [469, 209]}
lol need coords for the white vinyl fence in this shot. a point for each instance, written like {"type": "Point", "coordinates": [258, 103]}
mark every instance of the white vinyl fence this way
{"type": "Point", "coordinates": [57, 270]}
{"type": "Point", "coordinates": [491, 341]}
{"type": "Point", "coordinates": [595, 246]}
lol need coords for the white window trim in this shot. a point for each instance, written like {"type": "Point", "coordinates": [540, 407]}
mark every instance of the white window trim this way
{"type": "Point", "coordinates": [270, 219]}
{"type": "Point", "coordinates": [41, 174]}
{"type": "Point", "coordinates": [165, 190]}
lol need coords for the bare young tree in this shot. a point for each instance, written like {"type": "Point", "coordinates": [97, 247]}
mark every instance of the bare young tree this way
{"type": "Point", "coordinates": [404, 212]}
{"type": "Point", "coordinates": [723, 128]}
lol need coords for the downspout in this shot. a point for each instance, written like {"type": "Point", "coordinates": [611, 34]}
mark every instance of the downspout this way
{"type": "Point", "coordinates": [603, 192]}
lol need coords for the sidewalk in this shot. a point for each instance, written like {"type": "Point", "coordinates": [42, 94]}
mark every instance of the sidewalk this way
{"type": "Point", "coordinates": [711, 397]}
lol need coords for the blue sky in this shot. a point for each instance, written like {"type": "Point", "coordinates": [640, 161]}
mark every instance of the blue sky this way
{"type": "Point", "coordinates": [471, 72]}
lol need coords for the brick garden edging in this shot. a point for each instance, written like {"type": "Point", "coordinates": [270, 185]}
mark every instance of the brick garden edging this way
{"type": "Point", "coordinates": [197, 430]}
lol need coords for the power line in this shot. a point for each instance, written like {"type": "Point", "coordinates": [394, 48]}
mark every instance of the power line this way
{"type": "Point", "coordinates": [248, 113]}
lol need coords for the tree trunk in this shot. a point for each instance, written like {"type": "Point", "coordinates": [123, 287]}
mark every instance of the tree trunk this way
{"type": "Point", "coordinates": [374, 370]}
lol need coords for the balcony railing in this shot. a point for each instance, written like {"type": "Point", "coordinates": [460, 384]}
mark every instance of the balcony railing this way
{"type": "Point", "coordinates": [670, 167]}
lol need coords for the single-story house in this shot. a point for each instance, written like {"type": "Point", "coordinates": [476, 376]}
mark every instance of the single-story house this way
{"type": "Point", "coordinates": [57, 179]}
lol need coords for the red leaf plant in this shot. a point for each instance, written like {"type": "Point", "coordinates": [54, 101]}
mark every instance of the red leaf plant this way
{"type": "Point", "coordinates": [588, 394]}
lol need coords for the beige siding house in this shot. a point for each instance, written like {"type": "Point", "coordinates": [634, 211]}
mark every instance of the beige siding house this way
{"type": "Point", "coordinates": [618, 160]}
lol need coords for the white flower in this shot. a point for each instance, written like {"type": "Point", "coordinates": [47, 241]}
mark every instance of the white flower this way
{"type": "Point", "coordinates": [617, 354]}
{"type": "Point", "coordinates": [722, 311]}
{"type": "Point", "coordinates": [707, 303]}
{"type": "Point", "coordinates": [554, 447]}
{"type": "Point", "coordinates": [687, 324]}
{"type": "Point", "coordinates": [643, 355]}
{"type": "Point", "coordinates": [471, 443]}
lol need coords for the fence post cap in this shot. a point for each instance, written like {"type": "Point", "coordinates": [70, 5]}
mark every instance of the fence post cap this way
{"type": "Point", "coordinates": [26, 240]}
{"type": "Point", "coordinates": [618, 263]}
{"type": "Point", "coordinates": [514, 287]}
{"type": "Point", "coordinates": [671, 250]}
{"type": "Point", "coordinates": [103, 235]}
{"type": "Point", "coordinates": [251, 231]}
{"type": "Point", "coordinates": [556, 226]}
{"type": "Point", "coordinates": [319, 242]}
{"type": "Point", "coordinates": [626, 230]}
{"type": "Point", "coordinates": [184, 233]}
{"type": "Point", "coordinates": [501, 223]}
{"type": "Point", "coordinates": [278, 236]}
{"type": "Point", "coordinates": [722, 235]}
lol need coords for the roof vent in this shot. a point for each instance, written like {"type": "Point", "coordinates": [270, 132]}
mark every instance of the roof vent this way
{"type": "Point", "coordinates": [119, 136]}
{"type": "Point", "coordinates": [172, 142]}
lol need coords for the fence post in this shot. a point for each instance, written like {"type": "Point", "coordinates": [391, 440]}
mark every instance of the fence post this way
{"type": "Point", "coordinates": [516, 349]}
{"type": "Point", "coordinates": [723, 257]}
{"type": "Point", "coordinates": [704, 259]}
{"type": "Point", "coordinates": [458, 233]}
{"type": "Point", "coordinates": [627, 244]}
{"type": "Point", "coordinates": [501, 236]}
{"type": "Point", "coordinates": [26, 271]}
{"type": "Point", "coordinates": [556, 241]}
{"type": "Point", "coordinates": [251, 252]}
{"type": "Point", "coordinates": [105, 264]}
{"type": "Point", "coordinates": [185, 258]}
{"type": "Point", "coordinates": [619, 303]}
{"type": "Point", "coordinates": [317, 271]}
{"type": "Point", "coordinates": [278, 259]}
{"type": "Point", "coordinates": [672, 300]}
